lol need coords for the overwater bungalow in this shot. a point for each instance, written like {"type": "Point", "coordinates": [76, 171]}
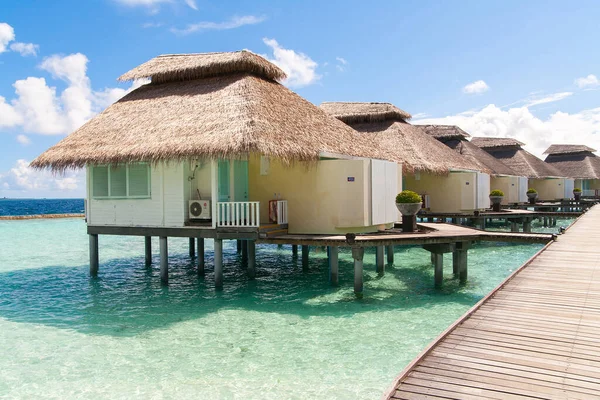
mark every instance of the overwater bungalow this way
{"type": "Point", "coordinates": [578, 162]}
{"type": "Point", "coordinates": [502, 177]}
{"type": "Point", "coordinates": [448, 181]}
{"type": "Point", "coordinates": [549, 182]}
{"type": "Point", "coordinates": [215, 147]}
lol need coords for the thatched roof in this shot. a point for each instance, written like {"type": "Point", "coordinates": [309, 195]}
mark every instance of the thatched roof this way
{"type": "Point", "coordinates": [407, 143]}
{"type": "Point", "coordinates": [444, 131]}
{"type": "Point", "coordinates": [522, 162]}
{"type": "Point", "coordinates": [352, 113]}
{"type": "Point", "coordinates": [224, 116]}
{"type": "Point", "coordinates": [455, 138]}
{"type": "Point", "coordinates": [568, 149]}
{"type": "Point", "coordinates": [575, 161]}
{"type": "Point", "coordinates": [490, 142]}
{"type": "Point", "coordinates": [185, 67]}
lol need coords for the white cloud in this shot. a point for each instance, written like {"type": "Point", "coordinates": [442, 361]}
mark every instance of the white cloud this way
{"type": "Point", "coordinates": [38, 108]}
{"type": "Point", "coordinates": [519, 123]}
{"type": "Point", "coordinates": [533, 101]}
{"type": "Point", "coordinates": [7, 35]}
{"type": "Point", "coordinates": [476, 87]}
{"type": "Point", "coordinates": [152, 25]}
{"type": "Point", "coordinates": [22, 178]}
{"type": "Point", "coordinates": [341, 65]}
{"type": "Point", "coordinates": [24, 140]}
{"type": "Point", "coordinates": [191, 4]}
{"type": "Point", "coordinates": [25, 49]}
{"type": "Point", "coordinates": [588, 81]}
{"type": "Point", "coordinates": [300, 68]}
{"type": "Point", "coordinates": [342, 60]}
{"type": "Point", "coordinates": [234, 22]}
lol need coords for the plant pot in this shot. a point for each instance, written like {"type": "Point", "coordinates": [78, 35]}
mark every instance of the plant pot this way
{"type": "Point", "coordinates": [408, 211]}
{"type": "Point", "coordinates": [532, 197]}
{"type": "Point", "coordinates": [577, 196]}
{"type": "Point", "coordinates": [496, 201]}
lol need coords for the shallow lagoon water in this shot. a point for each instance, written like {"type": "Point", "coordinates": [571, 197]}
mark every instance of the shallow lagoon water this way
{"type": "Point", "coordinates": [287, 334]}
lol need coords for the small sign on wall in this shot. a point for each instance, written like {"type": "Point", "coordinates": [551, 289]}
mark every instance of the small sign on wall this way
{"type": "Point", "coordinates": [350, 179]}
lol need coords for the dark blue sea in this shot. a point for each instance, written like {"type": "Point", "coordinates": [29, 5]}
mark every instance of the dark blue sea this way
{"type": "Point", "coordinates": [40, 206]}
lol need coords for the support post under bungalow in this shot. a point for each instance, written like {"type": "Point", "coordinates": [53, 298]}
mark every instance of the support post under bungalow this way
{"type": "Point", "coordinates": [295, 250]}
{"type": "Point", "coordinates": [218, 263]}
{"type": "Point", "coordinates": [438, 264]}
{"type": "Point", "coordinates": [148, 250]}
{"type": "Point", "coordinates": [305, 251]}
{"type": "Point", "coordinates": [380, 264]}
{"type": "Point", "coordinates": [527, 225]}
{"type": "Point", "coordinates": [390, 254]}
{"type": "Point", "coordinates": [245, 252]}
{"type": "Point", "coordinates": [513, 226]}
{"type": "Point", "coordinates": [463, 268]}
{"type": "Point", "coordinates": [358, 254]}
{"type": "Point", "coordinates": [94, 260]}
{"type": "Point", "coordinates": [192, 247]}
{"type": "Point", "coordinates": [332, 256]}
{"type": "Point", "coordinates": [164, 260]}
{"type": "Point", "coordinates": [239, 246]}
{"type": "Point", "coordinates": [200, 256]}
{"type": "Point", "coordinates": [251, 246]}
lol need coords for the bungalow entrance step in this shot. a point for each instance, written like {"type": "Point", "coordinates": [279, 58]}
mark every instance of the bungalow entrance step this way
{"type": "Point", "coordinates": [272, 230]}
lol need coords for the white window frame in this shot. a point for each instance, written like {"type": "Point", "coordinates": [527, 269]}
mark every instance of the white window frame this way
{"type": "Point", "coordinates": [127, 196]}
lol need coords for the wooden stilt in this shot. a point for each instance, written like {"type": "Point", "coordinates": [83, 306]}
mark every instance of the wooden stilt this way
{"type": "Point", "coordinates": [380, 265]}
{"type": "Point", "coordinates": [527, 225]}
{"type": "Point", "coordinates": [438, 264]}
{"type": "Point", "coordinates": [164, 260]}
{"type": "Point", "coordinates": [251, 246]}
{"type": "Point", "coordinates": [513, 226]}
{"type": "Point", "coordinates": [201, 256]}
{"type": "Point", "coordinates": [94, 259]}
{"type": "Point", "coordinates": [463, 270]}
{"type": "Point", "coordinates": [239, 246]}
{"type": "Point", "coordinates": [305, 251]}
{"type": "Point", "coordinates": [294, 250]}
{"type": "Point", "coordinates": [192, 247]}
{"type": "Point", "coordinates": [218, 255]}
{"type": "Point", "coordinates": [358, 254]}
{"type": "Point", "coordinates": [245, 251]}
{"type": "Point", "coordinates": [390, 254]}
{"type": "Point", "coordinates": [455, 263]}
{"type": "Point", "coordinates": [545, 222]}
{"type": "Point", "coordinates": [432, 259]}
{"type": "Point", "coordinates": [332, 252]}
{"type": "Point", "coordinates": [148, 250]}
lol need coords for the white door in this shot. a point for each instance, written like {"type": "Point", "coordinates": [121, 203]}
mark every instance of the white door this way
{"type": "Point", "coordinates": [523, 187]}
{"type": "Point", "coordinates": [384, 187]}
{"type": "Point", "coordinates": [483, 191]}
{"type": "Point", "coordinates": [569, 186]}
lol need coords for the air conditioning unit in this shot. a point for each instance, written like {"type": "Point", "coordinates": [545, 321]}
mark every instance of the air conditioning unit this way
{"type": "Point", "coordinates": [199, 209]}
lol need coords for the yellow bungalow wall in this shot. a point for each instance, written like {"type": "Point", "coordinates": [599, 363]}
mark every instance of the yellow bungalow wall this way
{"type": "Point", "coordinates": [548, 188]}
{"type": "Point", "coordinates": [509, 185]}
{"type": "Point", "coordinates": [321, 199]}
{"type": "Point", "coordinates": [450, 193]}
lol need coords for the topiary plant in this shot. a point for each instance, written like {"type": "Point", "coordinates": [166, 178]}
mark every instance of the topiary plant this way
{"type": "Point", "coordinates": [529, 191]}
{"type": "Point", "coordinates": [576, 190]}
{"type": "Point", "coordinates": [497, 193]}
{"type": "Point", "coordinates": [408, 196]}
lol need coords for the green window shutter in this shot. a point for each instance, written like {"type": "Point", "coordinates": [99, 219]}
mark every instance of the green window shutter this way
{"type": "Point", "coordinates": [100, 181]}
{"type": "Point", "coordinates": [118, 181]}
{"type": "Point", "coordinates": [139, 184]}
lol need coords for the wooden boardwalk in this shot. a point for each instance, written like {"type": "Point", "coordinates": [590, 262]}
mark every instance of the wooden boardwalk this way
{"type": "Point", "coordinates": [535, 336]}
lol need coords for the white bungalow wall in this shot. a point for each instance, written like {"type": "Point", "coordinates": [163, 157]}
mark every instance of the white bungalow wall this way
{"type": "Point", "coordinates": [167, 205]}
{"type": "Point", "coordinates": [384, 188]}
{"type": "Point", "coordinates": [523, 187]}
{"type": "Point", "coordinates": [569, 185]}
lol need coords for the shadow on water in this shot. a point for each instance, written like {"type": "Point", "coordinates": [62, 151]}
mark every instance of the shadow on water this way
{"type": "Point", "coordinates": [128, 299]}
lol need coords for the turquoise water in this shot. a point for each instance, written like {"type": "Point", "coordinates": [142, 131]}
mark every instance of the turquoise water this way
{"type": "Point", "coordinates": [40, 206]}
{"type": "Point", "coordinates": [287, 334]}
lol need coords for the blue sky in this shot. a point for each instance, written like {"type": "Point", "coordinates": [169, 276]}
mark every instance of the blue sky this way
{"type": "Point", "coordinates": [528, 70]}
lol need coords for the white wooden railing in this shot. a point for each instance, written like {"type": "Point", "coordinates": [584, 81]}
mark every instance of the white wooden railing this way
{"type": "Point", "coordinates": [238, 214]}
{"type": "Point", "coordinates": [282, 212]}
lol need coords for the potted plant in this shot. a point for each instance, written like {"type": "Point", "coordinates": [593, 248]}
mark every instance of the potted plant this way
{"type": "Point", "coordinates": [409, 204]}
{"type": "Point", "coordinates": [532, 195]}
{"type": "Point", "coordinates": [496, 197]}
{"type": "Point", "coordinates": [577, 194]}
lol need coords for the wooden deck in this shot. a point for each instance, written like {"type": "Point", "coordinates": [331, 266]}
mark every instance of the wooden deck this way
{"type": "Point", "coordinates": [535, 336]}
{"type": "Point", "coordinates": [435, 233]}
